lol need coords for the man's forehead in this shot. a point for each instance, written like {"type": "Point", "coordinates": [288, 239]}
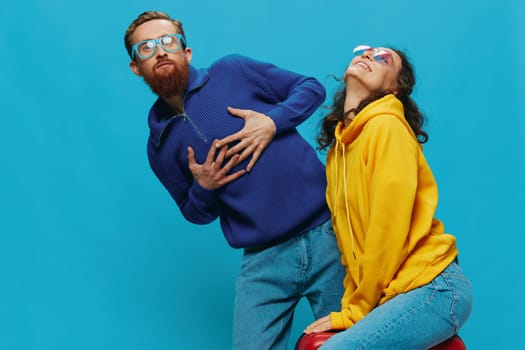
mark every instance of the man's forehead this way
{"type": "Point", "coordinates": [154, 29]}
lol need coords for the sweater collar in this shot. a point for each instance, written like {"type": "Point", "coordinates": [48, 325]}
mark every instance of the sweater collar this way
{"type": "Point", "coordinates": [160, 114]}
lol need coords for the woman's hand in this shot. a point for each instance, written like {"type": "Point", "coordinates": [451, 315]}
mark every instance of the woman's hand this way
{"type": "Point", "coordinates": [321, 325]}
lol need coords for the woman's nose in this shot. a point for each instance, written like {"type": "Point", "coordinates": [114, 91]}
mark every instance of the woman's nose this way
{"type": "Point", "coordinates": [368, 54]}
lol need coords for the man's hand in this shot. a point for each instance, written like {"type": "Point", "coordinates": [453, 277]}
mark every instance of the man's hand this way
{"type": "Point", "coordinates": [211, 174]}
{"type": "Point", "coordinates": [257, 133]}
{"type": "Point", "coordinates": [321, 325]}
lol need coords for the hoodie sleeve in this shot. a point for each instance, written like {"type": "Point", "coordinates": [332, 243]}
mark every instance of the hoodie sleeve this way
{"type": "Point", "coordinates": [391, 176]}
{"type": "Point", "coordinates": [296, 97]}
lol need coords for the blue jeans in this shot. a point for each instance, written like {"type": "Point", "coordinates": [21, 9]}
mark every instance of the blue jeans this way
{"type": "Point", "coordinates": [273, 280]}
{"type": "Point", "coordinates": [416, 320]}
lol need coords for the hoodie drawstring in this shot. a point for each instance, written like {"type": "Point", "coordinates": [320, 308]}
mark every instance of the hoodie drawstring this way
{"type": "Point", "coordinates": [345, 191]}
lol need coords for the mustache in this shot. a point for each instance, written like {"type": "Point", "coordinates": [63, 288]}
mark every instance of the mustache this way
{"type": "Point", "coordinates": [168, 83]}
{"type": "Point", "coordinates": [163, 61]}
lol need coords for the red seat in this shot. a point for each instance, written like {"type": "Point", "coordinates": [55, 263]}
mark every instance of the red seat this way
{"type": "Point", "coordinates": [312, 341]}
{"type": "Point", "coordinates": [315, 340]}
{"type": "Point", "coordinates": [454, 343]}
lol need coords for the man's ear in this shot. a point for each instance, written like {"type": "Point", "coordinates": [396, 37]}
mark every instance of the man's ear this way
{"type": "Point", "coordinates": [135, 68]}
{"type": "Point", "coordinates": [188, 53]}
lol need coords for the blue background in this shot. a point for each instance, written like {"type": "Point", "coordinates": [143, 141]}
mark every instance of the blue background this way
{"type": "Point", "coordinates": [93, 252]}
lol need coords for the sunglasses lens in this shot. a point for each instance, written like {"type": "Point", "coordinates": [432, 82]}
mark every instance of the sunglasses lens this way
{"type": "Point", "coordinates": [383, 57]}
{"type": "Point", "coordinates": [359, 50]}
{"type": "Point", "coordinates": [380, 55]}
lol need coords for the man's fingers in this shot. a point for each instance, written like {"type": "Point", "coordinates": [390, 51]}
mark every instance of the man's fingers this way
{"type": "Point", "coordinates": [226, 169]}
{"type": "Point", "coordinates": [230, 138]}
{"type": "Point", "coordinates": [255, 158]}
{"type": "Point", "coordinates": [241, 113]}
{"type": "Point", "coordinates": [234, 176]}
{"type": "Point", "coordinates": [191, 156]}
{"type": "Point", "coordinates": [249, 150]}
{"type": "Point", "coordinates": [243, 144]}
{"type": "Point", "coordinates": [231, 163]}
{"type": "Point", "coordinates": [211, 153]}
{"type": "Point", "coordinates": [222, 154]}
{"type": "Point", "coordinates": [237, 112]}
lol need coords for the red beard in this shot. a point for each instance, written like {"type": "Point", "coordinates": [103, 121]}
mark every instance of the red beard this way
{"type": "Point", "coordinates": [171, 83]}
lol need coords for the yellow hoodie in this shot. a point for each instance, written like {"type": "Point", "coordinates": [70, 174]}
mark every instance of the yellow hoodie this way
{"type": "Point", "coordinates": [383, 197]}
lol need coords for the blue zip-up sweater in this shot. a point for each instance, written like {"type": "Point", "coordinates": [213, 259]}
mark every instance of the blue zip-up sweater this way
{"type": "Point", "coordinates": [284, 194]}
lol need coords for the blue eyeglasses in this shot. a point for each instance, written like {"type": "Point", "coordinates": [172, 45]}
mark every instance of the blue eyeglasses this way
{"type": "Point", "coordinates": [379, 55]}
{"type": "Point", "coordinates": [147, 48]}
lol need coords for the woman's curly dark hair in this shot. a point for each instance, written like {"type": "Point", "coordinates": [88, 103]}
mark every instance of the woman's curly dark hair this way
{"type": "Point", "coordinates": [405, 81]}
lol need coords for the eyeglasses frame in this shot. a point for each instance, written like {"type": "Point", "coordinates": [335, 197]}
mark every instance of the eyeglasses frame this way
{"type": "Point", "coordinates": [157, 42]}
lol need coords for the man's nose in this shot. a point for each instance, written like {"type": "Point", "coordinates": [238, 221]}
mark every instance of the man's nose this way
{"type": "Point", "coordinates": [160, 50]}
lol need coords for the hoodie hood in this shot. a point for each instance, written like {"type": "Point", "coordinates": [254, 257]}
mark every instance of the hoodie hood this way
{"type": "Point", "coordinates": [387, 105]}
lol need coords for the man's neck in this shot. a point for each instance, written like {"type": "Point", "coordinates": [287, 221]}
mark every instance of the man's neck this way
{"type": "Point", "coordinates": [175, 103]}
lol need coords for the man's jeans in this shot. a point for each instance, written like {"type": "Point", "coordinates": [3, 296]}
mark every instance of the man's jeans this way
{"type": "Point", "coordinates": [273, 280]}
{"type": "Point", "coordinates": [418, 319]}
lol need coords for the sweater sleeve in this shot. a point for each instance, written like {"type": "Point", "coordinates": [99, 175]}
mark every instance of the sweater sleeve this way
{"type": "Point", "coordinates": [392, 180]}
{"type": "Point", "coordinates": [196, 203]}
{"type": "Point", "coordinates": [295, 97]}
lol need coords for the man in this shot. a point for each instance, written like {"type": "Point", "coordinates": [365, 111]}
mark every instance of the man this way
{"type": "Point", "coordinates": [247, 166]}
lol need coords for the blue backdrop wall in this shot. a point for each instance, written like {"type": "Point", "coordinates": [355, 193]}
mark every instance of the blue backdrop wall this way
{"type": "Point", "coordinates": [93, 252]}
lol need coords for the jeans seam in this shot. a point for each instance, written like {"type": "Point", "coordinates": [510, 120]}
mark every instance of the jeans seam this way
{"type": "Point", "coordinates": [329, 231]}
{"type": "Point", "coordinates": [396, 321]}
{"type": "Point", "coordinates": [456, 276]}
{"type": "Point", "coordinates": [303, 261]}
{"type": "Point", "coordinates": [455, 299]}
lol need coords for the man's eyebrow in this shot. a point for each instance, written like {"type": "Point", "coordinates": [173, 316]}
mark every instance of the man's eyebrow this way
{"type": "Point", "coordinates": [160, 36]}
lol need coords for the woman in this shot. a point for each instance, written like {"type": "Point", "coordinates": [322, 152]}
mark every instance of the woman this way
{"type": "Point", "coordinates": [403, 286]}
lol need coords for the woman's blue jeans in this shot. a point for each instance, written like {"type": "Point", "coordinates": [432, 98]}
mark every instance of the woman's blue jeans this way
{"type": "Point", "coordinates": [416, 320]}
{"type": "Point", "coordinates": [273, 280]}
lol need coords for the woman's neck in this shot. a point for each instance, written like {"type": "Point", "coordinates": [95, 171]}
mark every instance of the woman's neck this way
{"type": "Point", "coordinates": [352, 100]}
